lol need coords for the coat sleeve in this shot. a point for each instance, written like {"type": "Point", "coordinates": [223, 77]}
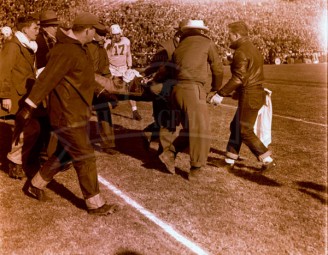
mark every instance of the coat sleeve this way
{"type": "Point", "coordinates": [158, 60]}
{"type": "Point", "coordinates": [216, 67]}
{"type": "Point", "coordinates": [7, 61]}
{"type": "Point", "coordinates": [58, 66]}
{"type": "Point", "coordinates": [239, 76]}
{"type": "Point", "coordinates": [103, 62]}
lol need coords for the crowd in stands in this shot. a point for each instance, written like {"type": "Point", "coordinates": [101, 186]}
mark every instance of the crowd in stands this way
{"type": "Point", "coordinates": [279, 28]}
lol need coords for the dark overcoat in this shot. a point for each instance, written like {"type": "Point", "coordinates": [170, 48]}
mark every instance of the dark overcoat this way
{"type": "Point", "coordinates": [17, 73]}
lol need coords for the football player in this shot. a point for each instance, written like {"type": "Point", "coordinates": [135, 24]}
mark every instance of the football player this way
{"type": "Point", "coordinates": [120, 59]}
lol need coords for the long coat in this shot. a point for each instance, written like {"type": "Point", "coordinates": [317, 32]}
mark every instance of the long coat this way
{"type": "Point", "coordinates": [69, 82]}
{"type": "Point", "coordinates": [17, 73]}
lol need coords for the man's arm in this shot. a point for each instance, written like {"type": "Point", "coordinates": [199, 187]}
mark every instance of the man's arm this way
{"type": "Point", "coordinates": [216, 67]}
{"type": "Point", "coordinates": [239, 74]}
{"type": "Point", "coordinates": [8, 58]}
{"type": "Point", "coordinates": [158, 60]}
{"type": "Point", "coordinates": [55, 70]}
{"type": "Point", "coordinates": [57, 67]}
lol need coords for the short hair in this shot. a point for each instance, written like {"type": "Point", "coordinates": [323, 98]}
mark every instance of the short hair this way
{"type": "Point", "coordinates": [26, 21]}
{"type": "Point", "coordinates": [239, 27]}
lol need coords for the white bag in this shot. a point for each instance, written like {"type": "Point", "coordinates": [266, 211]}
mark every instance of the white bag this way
{"type": "Point", "coordinates": [262, 126]}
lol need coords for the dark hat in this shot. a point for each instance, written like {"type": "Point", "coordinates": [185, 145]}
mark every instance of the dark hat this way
{"type": "Point", "coordinates": [101, 32]}
{"type": "Point", "coordinates": [48, 17]}
{"type": "Point", "coordinates": [88, 19]}
{"type": "Point", "coordinates": [182, 23]}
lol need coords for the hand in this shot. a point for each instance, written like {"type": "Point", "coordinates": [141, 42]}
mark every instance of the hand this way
{"type": "Point", "coordinates": [22, 118]}
{"type": "Point", "coordinates": [209, 96]}
{"type": "Point", "coordinates": [216, 99]}
{"type": "Point", "coordinates": [6, 104]}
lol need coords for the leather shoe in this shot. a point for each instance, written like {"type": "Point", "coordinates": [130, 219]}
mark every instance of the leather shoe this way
{"type": "Point", "coordinates": [168, 159]}
{"type": "Point", "coordinates": [104, 210]}
{"type": "Point", "coordinates": [195, 173]}
{"type": "Point", "coordinates": [38, 194]}
{"type": "Point", "coordinates": [136, 115]}
{"type": "Point", "coordinates": [268, 166]}
{"type": "Point", "coordinates": [16, 171]}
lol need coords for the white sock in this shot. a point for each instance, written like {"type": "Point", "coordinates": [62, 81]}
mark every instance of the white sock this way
{"type": "Point", "coordinates": [134, 108]}
{"type": "Point", "coordinates": [229, 161]}
{"type": "Point", "coordinates": [268, 159]}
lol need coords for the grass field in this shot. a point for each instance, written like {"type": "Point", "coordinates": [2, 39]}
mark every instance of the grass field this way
{"type": "Point", "coordinates": [227, 212]}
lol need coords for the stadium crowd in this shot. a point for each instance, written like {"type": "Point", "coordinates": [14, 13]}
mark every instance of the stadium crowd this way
{"type": "Point", "coordinates": [280, 28]}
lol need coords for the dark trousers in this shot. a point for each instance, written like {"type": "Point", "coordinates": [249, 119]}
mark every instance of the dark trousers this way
{"type": "Point", "coordinates": [74, 144]}
{"type": "Point", "coordinates": [189, 104]}
{"type": "Point", "coordinates": [28, 149]}
{"type": "Point", "coordinates": [105, 122]}
{"type": "Point", "coordinates": [242, 126]}
{"type": "Point", "coordinates": [32, 144]}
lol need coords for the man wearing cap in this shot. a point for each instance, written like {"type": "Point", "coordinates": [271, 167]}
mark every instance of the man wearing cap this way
{"type": "Point", "coordinates": [68, 80]}
{"type": "Point", "coordinates": [162, 84]}
{"type": "Point", "coordinates": [192, 56]}
{"type": "Point", "coordinates": [120, 59]}
{"type": "Point", "coordinates": [101, 96]}
{"type": "Point", "coordinates": [247, 84]}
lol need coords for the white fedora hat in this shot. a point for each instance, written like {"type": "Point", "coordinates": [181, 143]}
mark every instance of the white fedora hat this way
{"type": "Point", "coordinates": [198, 24]}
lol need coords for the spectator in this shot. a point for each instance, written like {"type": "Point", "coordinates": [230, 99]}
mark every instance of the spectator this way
{"type": "Point", "coordinates": [17, 76]}
{"type": "Point", "coordinates": [163, 82]}
{"type": "Point", "coordinates": [68, 80]}
{"type": "Point", "coordinates": [192, 56]}
{"type": "Point", "coordinates": [247, 82]}
{"type": "Point", "coordinates": [101, 97]}
{"type": "Point", "coordinates": [46, 39]}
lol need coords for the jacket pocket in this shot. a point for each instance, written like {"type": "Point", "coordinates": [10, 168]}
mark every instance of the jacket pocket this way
{"type": "Point", "coordinates": [255, 100]}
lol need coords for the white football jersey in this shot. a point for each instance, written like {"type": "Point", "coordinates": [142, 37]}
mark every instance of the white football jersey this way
{"type": "Point", "coordinates": [119, 54]}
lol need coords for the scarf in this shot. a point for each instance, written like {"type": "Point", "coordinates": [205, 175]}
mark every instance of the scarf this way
{"type": "Point", "coordinates": [26, 42]}
{"type": "Point", "coordinates": [50, 39]}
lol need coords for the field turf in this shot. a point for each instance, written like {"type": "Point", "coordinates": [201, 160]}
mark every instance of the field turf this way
{"type": "Point", "coordinates": [226, 212]}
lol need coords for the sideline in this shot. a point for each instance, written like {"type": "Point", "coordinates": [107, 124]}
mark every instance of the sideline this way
{"type": "Point", "coordinates": [167, 228]}
{"type": "Point", "coordinates": [283, 117]}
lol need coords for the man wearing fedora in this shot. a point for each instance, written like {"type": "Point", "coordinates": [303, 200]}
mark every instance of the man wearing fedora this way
{"type": "Point", "coordinates": [46, 39]}
{"type": "Point", "coordinates": [47, 36]}
{"type": "Point", "coordinates": [194, 54]}
{"type": "Point", "coordinates": [68, 80]}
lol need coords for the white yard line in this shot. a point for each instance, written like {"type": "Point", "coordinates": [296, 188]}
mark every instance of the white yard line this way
{"type": "Point", "coordinates": [283, 116]}
{"type": "Point", "coordinates": [166, 227]}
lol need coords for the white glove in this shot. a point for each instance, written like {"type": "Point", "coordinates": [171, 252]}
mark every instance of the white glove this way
{"type": "Point", "coordinates": [216, 99]}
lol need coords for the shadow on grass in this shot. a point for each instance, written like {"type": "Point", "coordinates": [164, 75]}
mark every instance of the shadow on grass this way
{"type": "Point", "coordinates": [130, 142]}
{"type": "Point", "coordinates": [256, 177]}
{"type": "Point", "coordinates": [216, 151]}
{"type": "Point", "coordinates": [127, 252]}
{"type": "Point", "coordinates": [123, 116]}
{"type": "Point", "coordinates": [313, 186]}
{"type": "Point", "coordinates": [65, 193]}
{"type": "Point", "coordinates": [311, 189]}
{"type": "Point", "coordinates": [251, 173]}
